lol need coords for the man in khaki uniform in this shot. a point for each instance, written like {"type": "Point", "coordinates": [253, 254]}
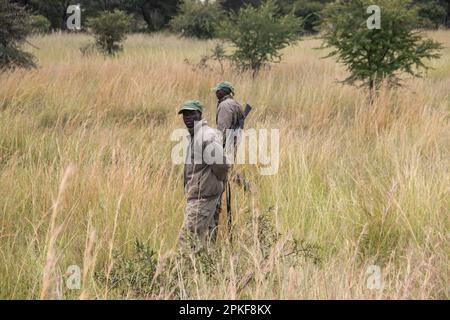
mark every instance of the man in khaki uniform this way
{"type": "Point", "coordinates": [229, 111]}
{"type": "Point", "coordinates": [205, 171]}
{"type": "Point", "coordinates": [229, 116]}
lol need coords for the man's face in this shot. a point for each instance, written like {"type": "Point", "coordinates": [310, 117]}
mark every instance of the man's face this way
{"type": "Point", "coordinates": [190, 117]}
{"type": "Point", "coordinates": [220, 94]}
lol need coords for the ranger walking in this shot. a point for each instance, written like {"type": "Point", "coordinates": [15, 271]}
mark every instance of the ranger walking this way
{"type": "Point", "coordinates": [229, 119]}
{"type": "Point", "coordinates": [229, 111]}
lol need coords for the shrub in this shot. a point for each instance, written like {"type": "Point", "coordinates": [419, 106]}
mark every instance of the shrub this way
{"type": "Point", "coordinates": [309, 10]}
{"type": "Point", "coordinates": [432, 13]}
{"type": "Point", "coordinates": [40, 24]}
{"type": "Point", "coordinates": [88, 49]}
{"type": "Point", "coordinates": [197, 19]}
{"type": "Point", "coordinates": [217, 55]}
{"type": "Point", "coordinates": [110, 30]}
{"type": "Point", "coordinates": [374, 56]}
{"type": "Point", "coordinates": [135, 273]}
{"type": "Point", "coordinates": [142, 273]}
{"type": "Point", "coordinates": [259, 34]}
{"type": "Point", "coordinates": [137, 24]}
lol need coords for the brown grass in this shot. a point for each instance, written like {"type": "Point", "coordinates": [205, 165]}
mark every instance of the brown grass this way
{"type": "Point", "coordinates": [368, 185]}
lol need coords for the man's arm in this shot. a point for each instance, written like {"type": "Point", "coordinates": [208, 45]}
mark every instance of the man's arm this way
{"type": "Point", "coordinates": [221, 168]}
{"type": "Point", "coordinates": [219, 161]}
{"type": "Point", "coordinates": [224, 119]}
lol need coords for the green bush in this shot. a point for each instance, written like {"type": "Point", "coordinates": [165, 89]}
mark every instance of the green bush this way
{"type": "Point", "coordinates": [197, 19]}
{"type": "Point", "coordinates": [374, 56]}
{"type": "Point", "coordinates": [110, 29]}
{"type": "Point", "coordinates": [137, 24]}
{"type": "Point", "coordinates": [259, 34]}
{"type": "Point", "coordinates": [40, 24]}
{"type": "Point", "coordinates": [309, 10]}
{"type": "Point", "coordinates": [15, 25]}
{"type": "Point", "coordinates": [141, 273]}
{"type": "Point", "coordinates": [136, 273]}
{"type": "Point", "coordinates": [431, 13]}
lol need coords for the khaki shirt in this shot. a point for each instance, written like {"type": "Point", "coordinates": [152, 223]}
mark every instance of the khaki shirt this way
{"type": "Point", "coordinates": [204, 178]}
{"type": "Point", "coordinates": [229, 113]}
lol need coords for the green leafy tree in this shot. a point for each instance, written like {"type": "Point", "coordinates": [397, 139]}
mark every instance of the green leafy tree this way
{"type": "Point", "coordinates": [432, 13]}
{"type": "Point", "coordinates": [259, 34]}
{"type": "Point", "coordinates": [15, 26]}
{"type": "Point", "coordinates": [110, 29]}
{"type": "Point", "coordinates": [309, 10]}
{"type": "Point", "coordinates": [447, 16]}
{"type": "Point", "coordinates": [235, 5]}
{"type": "Point", "coordinates": [197, 19]}
{"type": "Point", "coordinates": [54, 10]}
{"type": "Point", "coordinates": [156, 13]}
{"type": "Point", "coordinates": [376, 55]}
{"type": "Point", "coordinates": [441, 10]}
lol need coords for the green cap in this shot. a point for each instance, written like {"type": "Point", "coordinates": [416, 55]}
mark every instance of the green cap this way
{"type": "Point", "coordinates": [191, 105]}
{"type": "Point", "coordinates": [225, 86]}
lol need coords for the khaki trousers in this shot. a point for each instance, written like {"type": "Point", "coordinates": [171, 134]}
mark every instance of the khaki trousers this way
{"type": "Point", "coordinates": [199, 223]}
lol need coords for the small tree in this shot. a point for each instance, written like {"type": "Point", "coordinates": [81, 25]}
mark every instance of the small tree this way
{"type": "Point", "coordinates": [197, 19]}
{"type": "Point", "coordinates": [373, 56]}
{"type": "Point", "coordinates": [110, 30]}
{"type": "Point", "coordinates": [14, 28]}
{"type": "Point", "coordinates": [258, 34]}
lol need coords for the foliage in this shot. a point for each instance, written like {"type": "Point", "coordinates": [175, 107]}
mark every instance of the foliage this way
{"type": "Point", "coordinates": [197, 19]}
{"type": "Point", "coordinates": [217, 54]}
{"type": "Point", "coordinates": [377, 55]}
{"type": "Point", "coordinates": [142, 274]}
{"type": "Point", "coordinates": [258, 35]}
{"type": "Point", "coordinates": [309, 10]}
{"type": "Point", "coordinates": [136, 273]}
{"type": "Point", "coordinates": [54, 10]}
{"type": "Point", "coordinates": [40, 24]}
{"type": "Point", "coordinates": [432, 13]}
{"type": "Point", "coordinates": [156, 13]}
{"type": "Point", "coordinates": [88, 49]}
{"type": "Point", "coordinates": [15, 25]}
{"type": "Point", "coordinates": [110, 30]}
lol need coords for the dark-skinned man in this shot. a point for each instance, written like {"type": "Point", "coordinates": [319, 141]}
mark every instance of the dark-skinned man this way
{"type": "Point", "coordinates": [228, 118]}
{"type": "Point", "coordinates": [229, 111]}
{"type": "Point", "coordinates": [205, 172]}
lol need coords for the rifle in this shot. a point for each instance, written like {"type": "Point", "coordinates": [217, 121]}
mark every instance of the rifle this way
{"type": "Point", "coordinates": [248, 109]}
{"type": "Point", "coordinates": [241, 124]}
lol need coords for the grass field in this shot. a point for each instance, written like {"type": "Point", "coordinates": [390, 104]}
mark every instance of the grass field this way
{"type": "Point", "coordinates": [85, 171]}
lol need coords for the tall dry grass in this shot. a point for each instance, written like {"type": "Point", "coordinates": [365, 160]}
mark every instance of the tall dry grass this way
{"type": "Point", "coordinates": [85, 170]}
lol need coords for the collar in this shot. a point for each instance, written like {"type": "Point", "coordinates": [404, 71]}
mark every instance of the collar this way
{"type": "Point", "coordinates": [228, 96]}
{"type": "Point", "coordinates": [197, 127]}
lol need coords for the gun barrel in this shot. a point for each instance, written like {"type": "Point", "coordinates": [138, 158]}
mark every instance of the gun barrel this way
{"type": "Point", "coordinates": [248, 109]}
